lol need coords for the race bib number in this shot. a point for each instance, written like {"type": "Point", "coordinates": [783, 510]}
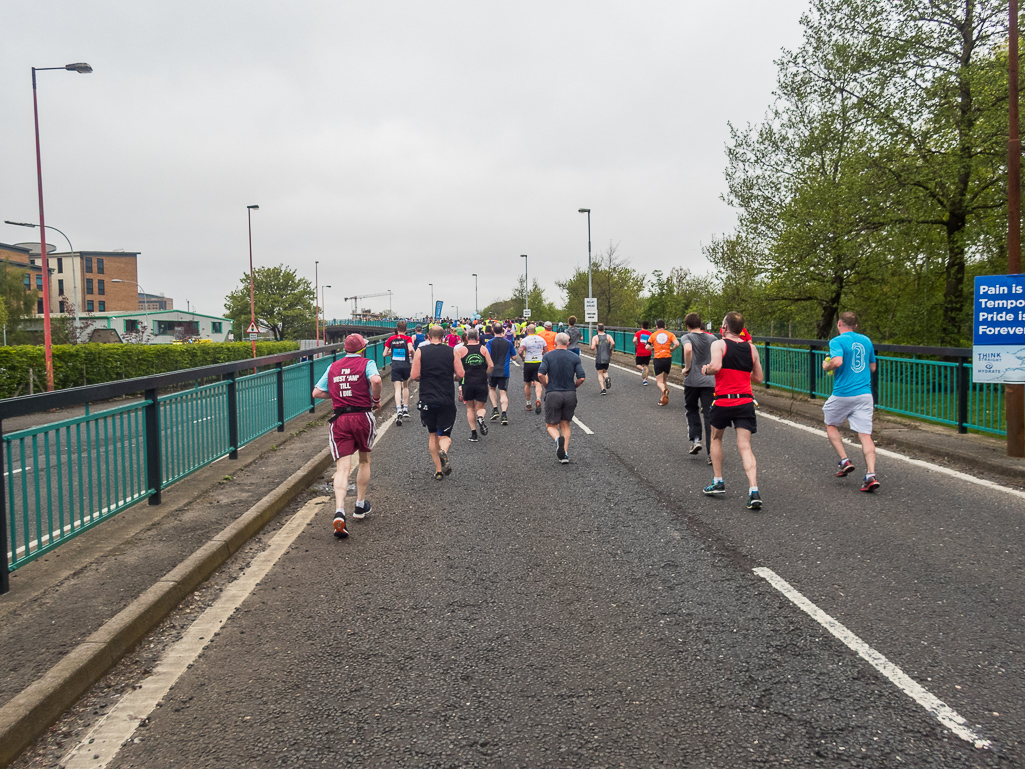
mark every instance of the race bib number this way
{"type": "Point", "coordinates": [399, 353]}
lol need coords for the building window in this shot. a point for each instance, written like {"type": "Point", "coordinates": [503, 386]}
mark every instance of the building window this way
{"type": "Point", "coordinates": [39, 307]}
{"type": "Point", "coordinates": [100, 289]}
{"type": "Point", "coordinates": [99, 266]}
{"type": "Point", "coordinates": [132, 326]}
{"type": "Point", "coordinates": [88, 264]}
{"type": "Point", "coordinates": [61, 307]}
{"type": "Point", "coordinates": [39, 282]}
{"type": "Point", "coordinates": [215, 328]}
{"type": "Point", "coordinates": [28, 281]}
{"type": "Point", "coordinates": [60, 288]}
{"type": "Point", "coordinates": [88, 305]}
{"type": "Point", "coordinates": [103, 306]}
{"type": "Point", "coordinates": [60, 265]}
{"type": "Point", "coordinates": [88, 285]}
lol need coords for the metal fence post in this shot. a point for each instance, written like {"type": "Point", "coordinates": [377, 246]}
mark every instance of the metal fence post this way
{"type": "Point", "coordinates": [962, 395]}
{"type": "Point", "coordinates": [280, 381]}
{"type": "Point", "coordinates": [766, 368]}
{"type": "Point", "coordinates": [811, 371]}
{"type": "Point", "coordinates": [153, 471]}
{"type": "Point", "coordinates": [5, 575]}
{"type": "Point", "coordinates": [313, 383]}
{"type": "Point", "coordinates": [232, 414]}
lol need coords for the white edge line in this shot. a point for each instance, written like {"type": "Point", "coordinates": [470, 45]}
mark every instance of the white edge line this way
{"type": "Point", "coordinates": [940, 710]}
{"type": "Point", "coordinates": [882, 452]}
{"type": "Point", "coordinates": [583, 427]}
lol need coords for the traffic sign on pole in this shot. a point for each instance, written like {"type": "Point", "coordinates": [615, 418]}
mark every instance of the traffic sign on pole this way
{"type": "Point", "coordinates": [591, 309]}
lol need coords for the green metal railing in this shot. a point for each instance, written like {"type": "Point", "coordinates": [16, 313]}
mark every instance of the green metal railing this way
{"type": "Point", "coordinates": [63, 478]}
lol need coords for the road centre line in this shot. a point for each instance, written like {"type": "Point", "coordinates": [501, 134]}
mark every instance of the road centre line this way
{"type": "Point", "coordinates": [583, 427]}
{"type": "Point", "coordinates": [940, 710]}
{"type": "Point", "coordinates": [879, 451]}
{"type": "Point", "coordinates": [104, 740]}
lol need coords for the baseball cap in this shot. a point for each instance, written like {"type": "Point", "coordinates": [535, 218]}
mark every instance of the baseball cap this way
{"type": "Point", "coordinates": [355, 343]}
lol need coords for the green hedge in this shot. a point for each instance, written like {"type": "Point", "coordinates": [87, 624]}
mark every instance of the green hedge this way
{"type": "Point", "coordinates": [82, 364]}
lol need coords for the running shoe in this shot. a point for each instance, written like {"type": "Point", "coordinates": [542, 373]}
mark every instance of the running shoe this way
{"type": "Point", "coordinates": [717, 488]}
{"type": "Point", "coordinates": [754, 501]}
{"type": "Point", "coordinates": [560, 452]}
{"type": "Point", "coordinates": [398, 419]}
{"type": "Point", "coordinates": [405, 411]}
{"type": "Point", "coordinates": [644, 382]}
{"type": "Point", "coordinates": [439, 476]}
{"type": "Point", "coordinates": [844, 468]}
{"type": "Point", "coordinates": [446, 466]}
{"type": "Point", "coordinates": [482, 426]}
{"type": "Point", "coordinates": [564, 460]}
{"type": "Point", "coordinates": [695, 448]}
{"type": "Point", "coordinates": [602, 391]}
{"type": "Point", "coordinates": [340, 531]}
{"type": "Point", "coordinates": [505, 418]}
{"type": "Point", "coordinates": [494, 414]}
{"type": "Point", "coordinates": [537, 407]}
{"type": "Point", "coordinates": [709, 461]}
{"type": "Point", "coordinates": [361, 512]}
{"type": "Point", "coordinates": [529, 408]}
{"type": "Point", "coordinates": [870, 483]}
{"type": "Point", "coordinates": [473, 437]}
{"type": "Point", "coordinates": [664, 400]}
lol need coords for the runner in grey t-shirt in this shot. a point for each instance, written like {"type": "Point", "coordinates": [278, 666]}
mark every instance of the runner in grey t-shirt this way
{"type": "Point", "coordinates": [698, 388]}
{"type": "Point", "coordinates": [575, 335]}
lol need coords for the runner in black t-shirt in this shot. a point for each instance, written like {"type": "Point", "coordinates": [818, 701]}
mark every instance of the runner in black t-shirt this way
{"type": "Point", "coordinates": [436, 367]}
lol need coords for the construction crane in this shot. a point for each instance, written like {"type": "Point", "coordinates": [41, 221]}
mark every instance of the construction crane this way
{"type": "Point", "coordinates": [355, 299]}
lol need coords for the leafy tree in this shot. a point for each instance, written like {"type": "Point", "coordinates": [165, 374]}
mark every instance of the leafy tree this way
{"type": "Point", "coordinates": [284, 303]}
{"type": "Point", "coordinates": [616, 285]}
{"type": "Point", "coordinates": [16, 305]}
{"type": "Point", "coordinates": [673, 296]}
{"type": "Point", "coordinates": [540, 308]}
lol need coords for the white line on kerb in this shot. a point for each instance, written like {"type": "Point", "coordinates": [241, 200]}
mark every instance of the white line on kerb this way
{"type": "Point", "coordinates": [942, 712]}
{"type": "Point", "coordinates": [583, 427]}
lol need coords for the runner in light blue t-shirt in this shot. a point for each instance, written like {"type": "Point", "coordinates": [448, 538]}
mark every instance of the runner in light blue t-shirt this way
{"type": "Point", "coordinates": [853, 361]}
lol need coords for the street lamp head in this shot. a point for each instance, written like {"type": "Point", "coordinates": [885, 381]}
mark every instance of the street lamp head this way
{"type": "Point", "coordinates": [523, 256]}
{"type": "Point", "coordinates": [20, 224]}
{"type": "Point", "coordinates": [79, 66]}
{"type": "Point", "coordinates": [475, 275]}
{"type": "Point", "coordinates": [583, 210]}
{"type": "Point", "coordinates": [253, 208]}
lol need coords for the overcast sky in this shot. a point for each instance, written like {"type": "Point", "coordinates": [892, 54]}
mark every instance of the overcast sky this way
{"type": "Point", "coordinates": [400, 143]}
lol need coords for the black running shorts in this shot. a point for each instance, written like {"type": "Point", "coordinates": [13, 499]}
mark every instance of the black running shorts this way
{"type": "Point", "coordinates": [498, 383]}
{"type": "Point", "coordinates": [642, 360]}
{"type": "Point", "coordinates": [743, 416]}
{"type": "Point", "coordinates": [474, 391]}
{"type": "Point", "coordinates": [530, 371]}
{"type": "Point", "coordinates": [559, 406]}
{"type": "Point", "coordinates": [438, 419]}
{"type": "Point", "coordinates": [663, 365]}
{"type": "Point", "coordinates": [400, 371]}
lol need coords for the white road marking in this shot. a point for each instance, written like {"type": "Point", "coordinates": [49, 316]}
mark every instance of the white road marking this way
{"type": "Point", "coordinates": [583, 427]}
{"type": "Point", "coordinates": [881, 452]}
{"type": "Point", "coordinates": [104, 740]}
{"type": "Point", "coordinates": [19, 470]}
{"type": "Point", "coordinates": [940, 710]}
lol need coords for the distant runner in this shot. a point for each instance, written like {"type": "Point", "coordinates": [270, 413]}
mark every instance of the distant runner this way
{"type": "Point", "coordinates": [436, 367]}
{"type": "Point", "coordinates": [353, 384]}
{"type": "Point", "coordinates": [502, 351]}
{"type": "Point", "coordinates": [662, 343]}
{"type": "Point", "coordinates": [532, 350]}
{"type": "Point", "coordinates": [575, 336]}
{"type": "Point", "coordinates": [561, 373]}
{"type": "Point", "coordinates": [853, 359]}
{"type": "Point", "coordinates": [400, 348]}
{"type": "Point", "coordinates": [603, 345]}
{"type": "Point", "coordinates": [698, 388]}
{"type": "Point", "coordinates": [642, 355]}
{"type": "Point", "coordinates": [473, 391]}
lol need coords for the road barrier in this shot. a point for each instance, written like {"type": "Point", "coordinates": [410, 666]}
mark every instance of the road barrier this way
{"type": "Point", "coordinates": [63, 478]}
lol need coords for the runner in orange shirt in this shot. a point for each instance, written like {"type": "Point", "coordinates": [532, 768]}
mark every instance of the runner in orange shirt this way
{"type": "Point", "coordinates": [662, 343]}
{"type": "Point", "coordinates": [548, 335]}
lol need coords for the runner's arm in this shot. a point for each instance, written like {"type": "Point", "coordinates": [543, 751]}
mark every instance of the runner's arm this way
{"type": "Point", "coordinates": [458, 365]}
{"type": "Point", "coordinates": [715, 364]}
{"type": "Point", "coordinates": [688, 354]}
{"type": "Point", "coordinates": [579, 373]}
{"type": "Point", "coordinates": [831, 364]}
{"type": "Point", "coordinates": [491, 363]}
{"type": "Point", "coordinates": [756, 374]}
{"type": "Point", "coordinates": [375, 391]}
{"type": "Point", "coordinates": [414, 372]}
{"type": "Point", "coordinates": [318, 393]}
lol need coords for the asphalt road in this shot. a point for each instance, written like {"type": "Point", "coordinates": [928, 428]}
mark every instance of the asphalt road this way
{"type": "Point", "coordinates": [606, 613]}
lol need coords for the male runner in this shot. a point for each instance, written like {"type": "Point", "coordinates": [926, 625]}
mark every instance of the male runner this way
{"type": "Point", "coordinates": [502, 351]}
{"type": "Point", "coordinates": [642, 355]}
{"type": "Point", "coordinates": [532, 350]}
{"type": "Point", "coordinates": [353, 384]}
{"type": "Point", "coordinates": [698, 388]}
{"type": "Point", "coordinates": [603, 345]}
{"type": "Point", "coordinates": [474, 390]}
{"type": "Point", "coordinates": [419, 338]}
{"type": "Point", "coordinates": [853, 359]}
{"type": "Point", "coordinates": [575, 336]}
{"type": "Point", "coordinates": [561, 373]}
{"type": "Point", "coordinates": [662, 343]}
{"type": "Point", "coordinates": [399, 348]}
{"type": "Point", "coordinates": [548, 335]}
{"type": "Point", "coordinates": [436, 367]}
{"type": "Point", "coordinates": [735, 364]}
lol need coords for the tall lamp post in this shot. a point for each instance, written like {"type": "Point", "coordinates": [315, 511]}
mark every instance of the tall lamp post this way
{"type": "Point", "coordinates": [526, 284]}
{"type": "Point", "coordinates": [252, 296]}
{"type": "Point", "coordinates": [1014, 393]}
{"type": "Point", "coordinates": [71, 250]}
{"type": "Point", "coordinates": [432, 300]}
{"type": "Point", "coordinates": [316, 264]}
{"type": "Point", "coordinates": [323, 310]}
{"type": "Point", "coordinates": [81, 68]}
{"type": "Point", "coordinates": [590, 326]}
{"type": "Point", "coordinates": [476, 310]}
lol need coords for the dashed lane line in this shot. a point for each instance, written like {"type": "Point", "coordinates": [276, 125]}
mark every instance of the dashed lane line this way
{"type": "Point", "coordinates": [583, 427]}
{"type": "Point", "coordinates": [939, 709]}
{"type": "Point", "coordinates": [881, 452]}
{"type": "Point", "coordinates": [104, 740]}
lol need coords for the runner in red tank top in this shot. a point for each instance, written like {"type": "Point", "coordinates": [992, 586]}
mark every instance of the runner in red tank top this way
{"type": "Point", "coordinates": [735, 364]}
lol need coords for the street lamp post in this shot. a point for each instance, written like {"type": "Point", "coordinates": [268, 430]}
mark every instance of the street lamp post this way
{"type": "Point", "coordinates": [1014, 403]}
{"type": "Point", "coordinates": [81, 68]}
{"type": "Point", "coordinates": [324, 310]}
{"type": "Point", "coordinates": [432, 300]}
{"type": "Point", "coordinates": [252, 299]}
{"type": "Point", "coordinates": [476, 309]}
{"type": "Point", "coordinates": [526, 284]}
{"type": "Point", "coordinates": [590, 326]}
{"type": "Point", "coordinates": [316, 264]}
{"type": "Point", "coordinates": [71, 250]}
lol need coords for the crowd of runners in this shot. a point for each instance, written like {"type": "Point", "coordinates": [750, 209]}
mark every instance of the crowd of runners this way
{"type": "Point", "coordinates": [470, 361]}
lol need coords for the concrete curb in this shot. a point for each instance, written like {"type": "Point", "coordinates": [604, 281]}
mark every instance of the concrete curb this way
{"type": "Point", "coordinates": [28, 715]}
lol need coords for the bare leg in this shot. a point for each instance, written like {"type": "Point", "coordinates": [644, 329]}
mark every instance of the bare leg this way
{"type": "Point", "coordinates": [526, 393]}
{"type": "Point", "coordinates": [405, 394]}
{"type": "Point", "coordinates": [539, 390]}
{"type": "Point", "coordinates": [833, 433]}
{"type": "Point", "coordinates": [363, 475]}
{"type": "Point", "coordinates": [715, 451]}
{"type": "Point", "coordinates": [470, 414]}
{"type": "Point", "coordinates": [493, 397]}
{"type": "Point", "coordinates": [341, 480]}
{"type": "Point", "coordinates": [868, 447]}
{"type": "Point", "coordinates": [444, 443]}
{"type": "Point", "coordinates": [398, 394]}
{"type": "Point", "coordinates": [746, 454]}
{"type": "Point", "coordinates": [564, 429]}
{"type": "Point", "coordinates": [432, 446]}
{"type": "Point", "coordinates": [504, 397]}
{"type": "Point", "coordinates": [482, 408]}
{"type": "Point", "coordinates": [553, 430]}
